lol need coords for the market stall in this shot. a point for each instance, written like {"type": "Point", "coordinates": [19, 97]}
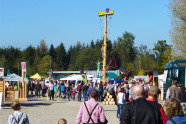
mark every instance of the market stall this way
{"type": "Point", "coordinates": [13, 86]}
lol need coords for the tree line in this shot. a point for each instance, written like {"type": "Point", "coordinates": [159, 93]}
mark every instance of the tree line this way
{"type": "Point", "coordinates": [81, 56]}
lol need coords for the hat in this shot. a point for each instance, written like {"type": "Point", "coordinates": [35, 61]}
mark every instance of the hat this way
{"type": "Point", "coordinates": [155, 89]}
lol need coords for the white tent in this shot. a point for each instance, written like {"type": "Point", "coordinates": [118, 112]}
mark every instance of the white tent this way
{"type": "Point", "coordinates": [14, 77]}
{"type": "Point", "coordinates": [75, 78]}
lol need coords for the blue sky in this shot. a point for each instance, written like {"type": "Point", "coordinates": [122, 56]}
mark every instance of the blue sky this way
{"type": "Point", "coordinates": [27, 22]}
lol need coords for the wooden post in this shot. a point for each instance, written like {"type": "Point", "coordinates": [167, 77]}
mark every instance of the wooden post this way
{"type": "Point", "coordinates": [4, 90]}
{"type": "Point", "coordinates": [26, 90]}
{"type": "Point", "coordinates": [23, 85]}
{"type": "Point", "coordinates": [105, 51]}
{"type": "Point", "coordinates": [107, 12]}
{"type": "Point", "coordinates": [23, 90]}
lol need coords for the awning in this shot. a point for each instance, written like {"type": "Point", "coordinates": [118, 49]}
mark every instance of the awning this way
{"type": "Point", "coordinates": [37, 76]}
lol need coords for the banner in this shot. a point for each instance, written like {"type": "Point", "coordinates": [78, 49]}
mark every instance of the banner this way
{"type": "Point", "coordinates": [98, 68]}
{"type": "Point", "coordinates": [1, 72]}
{"type": "Point", "coordinates": [23, 65]}
{"type": "Point", "coordinates": [84, 77]}
{"type": "Point", "coordinates": [8, 71]}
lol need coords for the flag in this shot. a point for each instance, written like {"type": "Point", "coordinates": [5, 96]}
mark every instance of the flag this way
{"type": "Point", "coordinates": [8, 71]}
{"type": "Point", "coordinates": [84, 77]}
{"type": "Point", "coordinates": [98, 68]}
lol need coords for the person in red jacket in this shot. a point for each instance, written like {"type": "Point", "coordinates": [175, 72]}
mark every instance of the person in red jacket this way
{"type": "Point", "coordinates": [153, 95]}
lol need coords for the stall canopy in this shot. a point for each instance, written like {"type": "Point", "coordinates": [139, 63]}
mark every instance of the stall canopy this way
{"type": "Point", "coordinates": [13, 77]}
{"type": "Point", "coordinates": [59, 77]}
{"type": "Point", "coordinates": [111, 75]}
{"type": "Point", "coordinates": [37, 76]}
{"type": "Point", "coordinates": [75, 78]}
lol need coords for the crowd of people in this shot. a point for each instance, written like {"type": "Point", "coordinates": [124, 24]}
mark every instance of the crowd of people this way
{"type": "Point", "coordinates": [57, 89]}
{"type": "Point", "coordinates": [137, 103]}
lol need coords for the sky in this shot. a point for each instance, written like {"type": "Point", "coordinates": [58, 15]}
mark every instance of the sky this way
{"type": "Point", "coordinates": [27, 22]}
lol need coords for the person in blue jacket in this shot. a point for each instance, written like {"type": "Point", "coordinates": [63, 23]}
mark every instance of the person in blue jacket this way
{"type": "Point", "coordinates": [63, 91]}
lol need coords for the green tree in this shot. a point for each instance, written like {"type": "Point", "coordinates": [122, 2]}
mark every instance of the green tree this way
{"type": "Point", "coordinates": [52, 52]}
{"type": "Point", "coordinates": [11, 54]}
{"type": "Point", "coordinates": [166, 55]}
{"type": "Point", "coordinates": [43, 49]}
{"type": "Point", "coordinates": [146, 58]}
{"type": "Point", "coordinates": [178, 31]}
{"type": "Point", "coordinates": [44, 65]}
{"type": "Point", "coordinates": [124, 51]}
{"type": "Point", "coordinates": [29, 55]}
{"type": "Point", "coordinates": [127, 42]}
{"type": "Point", "coordinates": [3, 63]}
{"type": "Point", "coordinates": [61, 57]}
{"type": "Point", "coordinates": [87, 61]}
{"type": "Point", "coordinates": [159, 49]}
{"type": "Point", "coordinates": [31, 70]}
{"type": "Point", "coordinates": [92, 44]}
{"type": "Point", "coordinates": [141, 72]}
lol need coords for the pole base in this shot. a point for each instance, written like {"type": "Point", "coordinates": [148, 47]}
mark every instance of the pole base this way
{"type": "Point", "coordinates": [23, 99]}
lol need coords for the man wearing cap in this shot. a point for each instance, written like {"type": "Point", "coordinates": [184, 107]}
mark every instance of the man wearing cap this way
{"type": "Point", "coordinates": [153, 95]}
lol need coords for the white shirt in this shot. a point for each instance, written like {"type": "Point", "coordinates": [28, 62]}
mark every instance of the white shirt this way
{"type": "Point", "coordinates": [120, 98]}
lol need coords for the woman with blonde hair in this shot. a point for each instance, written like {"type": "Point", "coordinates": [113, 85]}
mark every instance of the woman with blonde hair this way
{"type": "Point", "coordinates": [174, 112]}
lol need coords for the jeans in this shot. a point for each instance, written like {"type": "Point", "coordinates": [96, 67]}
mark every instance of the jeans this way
{"type": "Point", "coordinates": [79, 96]}
{"type": "Point", "coordinates": [118, 112]}
{"type": "Point", "coordinates": [120, 109]}
{"type": "Point", "coordinates": [63, 95]}
{"type": "Point", "coordinates": [100, 94]}
{"type": "Point", "coordinates": [85, 96]}
{"type": "Point", "coordinates": [69, 95]}
{"type": "Point", "coordinates": [38, 93]}
{"type": "Point", "coordinates": [43, 92]}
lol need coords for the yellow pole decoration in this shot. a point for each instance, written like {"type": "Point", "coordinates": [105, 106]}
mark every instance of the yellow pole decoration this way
{"type": "Point", "coordinates": [107, 12]}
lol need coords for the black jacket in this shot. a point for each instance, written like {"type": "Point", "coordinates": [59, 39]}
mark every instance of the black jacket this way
{"type": "Point", "coordinates": [140, 111]}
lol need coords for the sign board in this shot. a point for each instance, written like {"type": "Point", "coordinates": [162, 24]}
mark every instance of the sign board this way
{"type": "Point", "coordinates": [1, 72]}
{"type": "Point", "coordinates": [111, 12]}
{"type": "Point", "coordinates": [155, 74]}
{"type": "Point", "coordinates": [23, 65]}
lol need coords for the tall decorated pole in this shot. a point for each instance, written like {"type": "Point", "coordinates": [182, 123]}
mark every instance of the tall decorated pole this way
{"type": "Point", "coordinates": [105, 13]}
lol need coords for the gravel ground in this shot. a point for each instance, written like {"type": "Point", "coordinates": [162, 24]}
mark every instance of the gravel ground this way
{"type": "Point", "coordinates": [42, 111]}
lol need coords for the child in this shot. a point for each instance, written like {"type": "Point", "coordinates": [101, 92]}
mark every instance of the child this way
{"type": "Point", "coordinates": [62, 121]}
{"type": "Point", "coordinates": [74, 93]}
{"type": "Point", "coordinates": [17, 117]}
